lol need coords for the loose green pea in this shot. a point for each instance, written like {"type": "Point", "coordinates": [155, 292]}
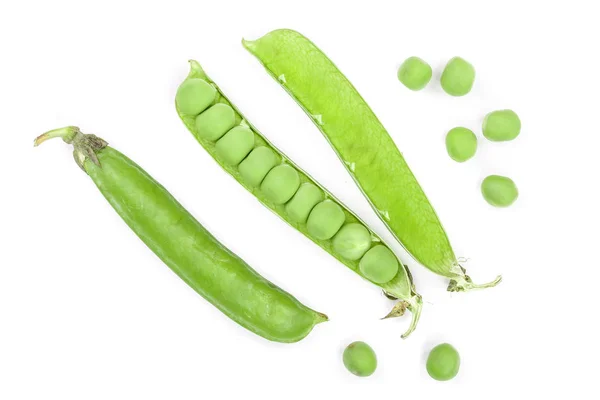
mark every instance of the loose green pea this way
{"type": "Point", "coordinates": [461, 144]}
{"type": "Point", "coordinates": [443, 362]}
{"type": "Point", "coordinates": [458, 77]}
{"type": "Point", "coordinates": [258, 163]}
{"type": "Point", "coordinates": [414, 73]}
{"type": "Point", "coordinates": [360, 359]}
{"type": "Point", "coordinates": [325, 219]}
{"type": "Point", "coordinates": [352, 241]}
{"type": "Point", "coordinates": [235, 145]}
{"type": "Point", "coordinates": [499, 191]}
{"type": "Point", "coordinates": [215, 122]}
{"type": "Point", "coordinates": [280, 184]}
{"type": "Point", "coordinates": [379, 264]}
{"type": "Point", "coordinates": [194, 96]}
{"type": "Point", "coordinates": [501, 125]}
{"type": "Point", "coordinates": [303, 202]}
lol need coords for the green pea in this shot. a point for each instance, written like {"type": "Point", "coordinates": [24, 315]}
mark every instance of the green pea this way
{"type": "Point", "coordinates": [215, 122]}
{"type": "Point", "coordinates": [325, 219]}
{"type": "Point", "coordinates": [194, 96]}
{"type": "Point", "coordinates": [461, 144]}
{"type": "Point", "coordinates": [235, 145]}
{"type": "Point", "coordinates": [280, 184]}
{"type": "Point", "coordinates": [499, 191]}
{"type": "Point", "coordinates": [303, 202]}
{"type": "Point", "coordinates": [360, 359]}
{"type": "Point", "coordinates": [379, 265]}
{"type": "Point", "coordinates": [443, 362]}
{"type": "Point", "coordinates": [458, 77]}
{"type": "Point", "coordinates": [352, 241]}
{"type": "Point", "coordinates": [414, 73]}
{"type": "Point", "coordinates": [501, 125]}
{"type": "Point", "coordinates": [258, 163]}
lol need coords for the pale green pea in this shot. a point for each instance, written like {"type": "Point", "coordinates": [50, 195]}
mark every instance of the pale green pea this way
{"type": "Point", "coordinates": [414, 73]}
{"type": "Point", "coordinates": [379, 264]}
{"type": "Point", "coordinates": [194, 96]}
{"type": "Point", "coordinates": [280, 184]}
{"type": "Point", "coordinates": [215, 122]}
{"type": "Point", "coordinates": [360, 359]}
{"type": "Point", "coordinates": [443, 362]}
{"type": "Point", "coordinates": [458, 77]}
{"type": "Point", "coordinates": [235, 145]}
{"type": "Point", "coordinates": [258, 163]}
{"type": "Point", "coordinates": [303, 202]}
{"type": "Point", "coordinates": [501, 125]}
{"type": "Point", "coordinates": [499, 191]}
{"type": "Point", "coordinates": [325, 219]}
{"type": "Point", "coordinates": [352, 241]}
{"type": "Point", "coordinates": [461, 144]}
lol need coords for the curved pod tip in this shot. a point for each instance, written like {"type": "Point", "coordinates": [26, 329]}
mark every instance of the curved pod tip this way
{"type": "Point", "coordinates": [465, 284]}
{"type": "Point", "coordinates": [414, 305]}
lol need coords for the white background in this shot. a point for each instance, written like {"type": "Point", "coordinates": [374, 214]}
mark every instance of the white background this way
{"type": "Point", "coordinates": [87, 312]}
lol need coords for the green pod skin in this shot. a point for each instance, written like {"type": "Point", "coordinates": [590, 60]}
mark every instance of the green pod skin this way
{"type": "Point", "coordinates": [182, 243]}
{"type": "Point", "coordinates": [400, 287]}
{"type": "Point", "coordinates": [364, 147]}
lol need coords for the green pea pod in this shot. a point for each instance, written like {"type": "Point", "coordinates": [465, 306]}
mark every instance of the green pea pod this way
{"type": "Point", "coordinates": [278, 183]}
{"type": "Point", "coordinates": [364, 147]}
{"type": "Point", "coordinates": [173, 234]}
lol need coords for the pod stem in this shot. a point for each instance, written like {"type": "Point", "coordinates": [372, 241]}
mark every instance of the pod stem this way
{"type": "Point", "coordinates": [464, 284]}
{"type": "Point", "coordinates": [84, 146]}
{"type": "Point", "coordinates": [414, 305]}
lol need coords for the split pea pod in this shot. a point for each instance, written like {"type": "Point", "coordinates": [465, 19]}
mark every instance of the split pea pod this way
{"type": "Point", "coordinates": [241, 150]}
{"type": "Point", "coordinates": [182, 243]}
{"type": "Point", "coordinates": [364, 146]}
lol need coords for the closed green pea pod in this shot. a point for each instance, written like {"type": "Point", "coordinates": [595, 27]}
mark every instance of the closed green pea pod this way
{"type": "Point", "coordinates": [325, 219]}
{"type": "Point", "coordinates": [303, 202]}
{"type": "Point", "coordinates": [379, 264]}
{"type": "Point", "coordinates": [258, 163]}
{"type": "Point", "coordinates": [213, 123]}
{"type": "Point", "coordinates": [194, 96]}
{"type": "Point", "coordinates": [185, 246]}
{"type": "Point", "coordinates": [235, 145]}
{"type": "Point", "coordinates": [280, 184]}
{"type": "Point", "coordinates": [292, 194]}
{"type": "Point", "coordinates": [352, 241]}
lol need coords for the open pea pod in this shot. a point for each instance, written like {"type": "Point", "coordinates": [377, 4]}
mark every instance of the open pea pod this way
{"type": "Point", "coordinates": [241, 150]}
{"type": "Point", "coordinates": [364, 147]}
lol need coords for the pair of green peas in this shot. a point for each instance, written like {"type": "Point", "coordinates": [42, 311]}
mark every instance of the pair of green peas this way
{"type": "Point", "coordinates": [443, 362]}
{"type": "Point", "coordinates": [262, 169]}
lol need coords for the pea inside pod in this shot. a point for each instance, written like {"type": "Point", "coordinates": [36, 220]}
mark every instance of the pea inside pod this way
{"type": "Point", "coordinates": [291, 193]}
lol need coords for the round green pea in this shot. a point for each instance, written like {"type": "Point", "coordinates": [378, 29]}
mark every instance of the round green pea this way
{"type": "Point", "coordinates": [352, 241]}
{"type": "Point", "coordinates": [280, 184]}
{"type": "Point", "coordinates": [501, 125]}
{"type": "Point", "coordinates": [360, 359]}
{"type": "Point", "coordinates": [443, 362]}
{"type": "Point", "coordinates": [461, 144]}
{"type": "Point", "coordinates": [325, 219]}
{"type": "Point", "coordinates": [194, 96]}
{"type": "Point", "coordinates": [215, 122]}
{"type": "Point", "coordinates": [379, 264]}
{"type": "Point", "coordinates": [303, 202]}
{"type": "Point", "coordinates": [259, 162]}
{"type": "Point", "coordinates": [414, 73]}
{"type": "Point", "coordinates": [235, 145]}
{"type": "Point", "coordinates": [458, 77]}
{"type": "Point", "coordinates": [499, 191]}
